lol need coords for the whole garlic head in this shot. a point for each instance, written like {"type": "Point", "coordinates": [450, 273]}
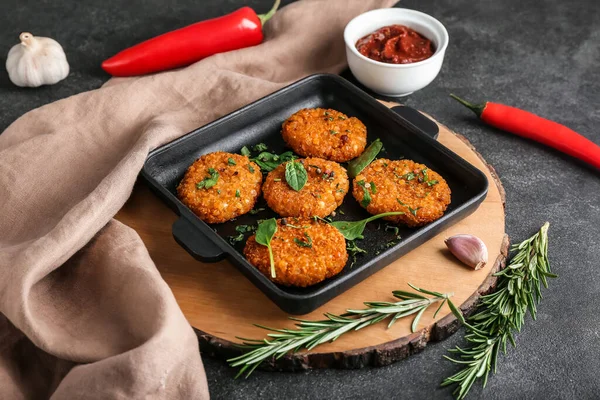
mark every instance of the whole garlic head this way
{"type": "Point", "coordinates": [36, 61]}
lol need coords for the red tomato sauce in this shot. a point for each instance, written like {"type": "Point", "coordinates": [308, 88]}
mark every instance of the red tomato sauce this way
{"type": "Point", "coordinates": [395, 44]}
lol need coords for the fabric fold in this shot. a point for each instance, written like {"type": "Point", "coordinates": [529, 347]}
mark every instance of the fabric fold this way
{"type": "Point", "coordinates": [85, 313]}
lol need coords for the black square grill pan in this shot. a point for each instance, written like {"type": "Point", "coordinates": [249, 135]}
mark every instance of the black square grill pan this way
{"type": "Point", "coordinates": [403, 137]}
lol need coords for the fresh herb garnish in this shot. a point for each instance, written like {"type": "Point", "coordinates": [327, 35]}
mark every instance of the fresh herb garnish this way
{"type": "Point", "coordinates": [269, 161]}
{"type": "Point", "coordinates": [241, 229]}
{"type": "Point", "coordinates": [230, 161]}
{"type": "Point", "coordinates": [256, 211]}
{"type": "Point", "coordinates": [354, 250]}
{"type": "Point", "coordinates": [373, 188]}
{"type": "Point", "coordinates": [250, 168]}
{"type": "Point", "coordinates": [332, 132]}
{"type": "Point", "coordinates": [260, 147]}
{"type": "Point", "coordinates": [409, 176]}
{"type": "Point", "coordinates": [413, 211]}
{"type": "Point", "coordinates": [342, 118]}
{"type": "Point", "coordinates": [366, 200]}
{"type": "Point", "coordinates": [392, 228]}
{"type": "Point", "coordinates": [354, 230]}
{"type": "Point", "coordinates": [245, 151]}
{"type": "Point", "coordinates": [209, 181]}
{"type": "Point", "coordinates": [502, 313]}
{"type": "Point", "coordinates": [295, 175]}
{"type": "Point", "coordinates": [302, 243]}
{"type": "Point", "coordinates": [361, 162]}
{"type": "Point", "coordinates": [265, 232]}
{"type": "Point", "coordinates": [310, 334]}
{"type": "Point", "coordinates": [237, 193]}
{"type": "Point", "coordinates": [429, 182]}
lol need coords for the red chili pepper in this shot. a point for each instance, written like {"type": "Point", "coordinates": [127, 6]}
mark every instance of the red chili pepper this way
{"type": "Point", "coordinates": [241, 28]}
{"type": "Point", "coordinates": [531, 126]}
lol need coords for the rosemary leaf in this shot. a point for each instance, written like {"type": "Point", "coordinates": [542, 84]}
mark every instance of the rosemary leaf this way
{"type": "Point", "coordinates": [310, 334]}
{"type": "Point", "coordinates": [501, 314]}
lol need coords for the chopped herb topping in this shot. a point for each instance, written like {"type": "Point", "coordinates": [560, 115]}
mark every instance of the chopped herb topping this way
{"type": "Point", "coordinates": [256, 211]}
{"type": "Point", "coordinates": [276, 179]}
{"type": "Point", "coordinates": [409, 176]}
{"type": "Point", "coordinates": [250, 168]}
{"type": "Point", "coordinates": [373, 188]}
{"type": "Point", "coordinates": [230, 161]}
{"type": "Point", "coordinates": [354, 250]}
{"type": "Point", "coordinates": [331, 131]}
{"type": "Point", "coordinates": [367, 195]}
{"type": "Point", "coordinates": [260, 147]}
{"type": "Point", "coordinates": [237, 193]}
{"type": "Point", "coordinates": [392, 228]}
{"type": "Point", "coordinates": [245, 151]}
{"type": "Point", "coordinates": [209, 181]}
{"type": "Point", "coordinates": [413, 211]}
{"type": "Point", "coordinates": [241, 229]}
{"type": "Point", "coordinates": [341, 117]}
{"type": "Point", "coordinates": [269, 161]}
{"type": "Point", "coordinates": [302, 243]}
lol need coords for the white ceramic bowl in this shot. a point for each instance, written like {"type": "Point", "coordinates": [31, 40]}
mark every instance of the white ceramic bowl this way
{"type": "Point", "coordinates": [395, 79]}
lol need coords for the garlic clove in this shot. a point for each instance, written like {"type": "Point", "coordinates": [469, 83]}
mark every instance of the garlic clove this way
{"type": "Point", "coordinates": [36, 61]}
{"type": "Point", "coordinates": [469, 249]}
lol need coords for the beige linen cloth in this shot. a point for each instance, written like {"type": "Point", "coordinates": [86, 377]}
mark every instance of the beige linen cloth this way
{"type": "Point", "coordinates": [85, 313]}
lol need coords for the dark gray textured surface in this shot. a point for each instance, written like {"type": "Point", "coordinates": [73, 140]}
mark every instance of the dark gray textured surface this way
{"type": "Point", "coordinates": [543, 56]}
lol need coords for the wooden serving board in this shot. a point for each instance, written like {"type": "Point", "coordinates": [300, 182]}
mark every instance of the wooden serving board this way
{"type": "Point", "coordinates": [220, 303]}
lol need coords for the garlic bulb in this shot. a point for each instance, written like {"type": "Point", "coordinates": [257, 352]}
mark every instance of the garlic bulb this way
{"type": "Point", "coordinates": [469, 249]}
{"type": "Point", "coordinates": [36, 61]}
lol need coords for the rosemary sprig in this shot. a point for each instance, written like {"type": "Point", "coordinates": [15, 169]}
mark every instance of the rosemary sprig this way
{"type": "Point", "coordinates": [310, 334]}
{"type": "Point", "coordinates": [501, 314]}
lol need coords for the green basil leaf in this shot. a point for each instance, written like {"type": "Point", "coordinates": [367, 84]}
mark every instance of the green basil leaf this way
{"type": "Point", "coordinates": [295, 175]}
{"type": "Point", "coordinates": [356, 166]}
{"type": "Point", "coordinates": [265, 232]}
{"type": "Point", "coordinates": [353, 230]}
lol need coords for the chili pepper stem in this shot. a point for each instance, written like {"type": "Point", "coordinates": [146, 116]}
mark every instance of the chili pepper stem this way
{"type": "Point", "coordinates": [476, 108]}
{"type": "Point", "coordinates": [265, 17]}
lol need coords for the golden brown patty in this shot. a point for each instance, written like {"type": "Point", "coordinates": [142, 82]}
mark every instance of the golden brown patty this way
{"type": "Point", "coordinates": [236, 189]}
{"type": "Point", "coordinates": [329, 134]}
{"type": "Point", "coordinates": [305, 252]}
{"type": "Point", "coordinates": [403, 185]}
{"type": "Point", "coordinates": [324, 191]}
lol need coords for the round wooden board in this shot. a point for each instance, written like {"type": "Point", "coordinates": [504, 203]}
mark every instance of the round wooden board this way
{"type": "Point", "coordinates": [220, 303]}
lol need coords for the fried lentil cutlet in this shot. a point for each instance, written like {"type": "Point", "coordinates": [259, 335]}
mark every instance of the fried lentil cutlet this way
{"type": "Point", "coordinates": [305, 252]}
{"type": "Point", "coordinates": [325, 133]}
{"type": "Point", "coordinates": [402, 185]}
{"type": "Point", "coordinates": [220, 186]}
{"type": "Point", "coordinates": [323, 192]}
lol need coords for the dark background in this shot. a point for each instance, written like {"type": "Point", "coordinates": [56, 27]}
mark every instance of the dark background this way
{"type": "Point", "coordinates": [543, 56]}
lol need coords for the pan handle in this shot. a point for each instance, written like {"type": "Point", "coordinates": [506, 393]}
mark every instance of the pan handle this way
{"type": "Point", "coordinates": [195, 242]}
{"type": "Point", "coordinates": [419, 120]}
